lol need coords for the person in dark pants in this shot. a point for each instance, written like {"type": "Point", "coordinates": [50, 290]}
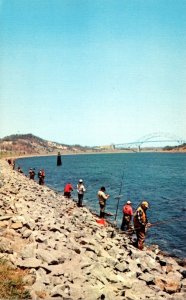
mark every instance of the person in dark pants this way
{"type": "Point", "coordinates": [41, 176]}
{"type": "Point", "coordinates": [127, 216]}
{"type": "Point", "coordinates": [102, 196]}
{"type": "Point", "coordinates": [19, 170]}
{"type": "Point", "coordinates": [32, 173]}
{"type": "Point", "coordinates": [80, 190]}
{"type": "Point", "coordinates": [68, 189]}
{"type": "Point", "coordinates": [141, 223]}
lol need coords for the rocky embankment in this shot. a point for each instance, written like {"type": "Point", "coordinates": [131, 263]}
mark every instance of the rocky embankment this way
{"type": "Point", "coordinates": [69, 255]}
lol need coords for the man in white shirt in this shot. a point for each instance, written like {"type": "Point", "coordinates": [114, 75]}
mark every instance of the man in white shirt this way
{"type": "Point", "coordinates": [80, 189]}
{"type": "Point", "coordinates": [102, 196]}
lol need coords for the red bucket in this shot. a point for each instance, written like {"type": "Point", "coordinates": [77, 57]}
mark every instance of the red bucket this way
{"type": "Point", "coordinates": [101, 221]}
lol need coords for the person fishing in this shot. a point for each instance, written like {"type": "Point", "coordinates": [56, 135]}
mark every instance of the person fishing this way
{"type": "Point", "coordinates": [32, 173]}
{"type": "Point", "coordinates": [41, 176]}
{"type": "Point", "coordinates": [19, 170]}
{"type": "Point", "coordinates": [80, 190]}
{"type": "Point", "coordinates": [68, 189]}
{"type": "Point", "coordinates": [102, 196]}
{"type": "Point", "coordinates": [141, 223]}
{"type": "Point", "coordinates": [127, 216]}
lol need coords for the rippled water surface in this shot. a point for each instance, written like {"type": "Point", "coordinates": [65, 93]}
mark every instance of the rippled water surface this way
{"type": "Point", "coordinates": [159, 178]}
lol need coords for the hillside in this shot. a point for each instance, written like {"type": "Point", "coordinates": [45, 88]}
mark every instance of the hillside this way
{"type": "Point", "coordinates": [22, 144]}
{"type": "Point", "coordinates": [181, 148]}
{"type": "Point", "coordinates": [29, 144]}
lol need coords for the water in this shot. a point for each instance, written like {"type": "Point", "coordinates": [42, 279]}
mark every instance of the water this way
{"type": "Point", "coordinates": [159, 178]}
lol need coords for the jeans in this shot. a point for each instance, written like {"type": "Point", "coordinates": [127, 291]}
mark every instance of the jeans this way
{"type": "Point", "coordinates": [80, 199]}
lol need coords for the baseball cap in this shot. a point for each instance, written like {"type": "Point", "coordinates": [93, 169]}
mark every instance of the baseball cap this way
{"type": "Point", "coordinates": [145, 203]}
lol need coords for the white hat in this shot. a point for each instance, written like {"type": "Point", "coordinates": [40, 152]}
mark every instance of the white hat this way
{"type": "Point", "coordinates": [81, 180]}
{"type": "Point", "coordinates": [129, 202]}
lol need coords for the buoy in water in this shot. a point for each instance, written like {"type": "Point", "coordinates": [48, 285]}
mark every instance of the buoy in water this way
{"type": "Point", "coordinates": [59, 162]}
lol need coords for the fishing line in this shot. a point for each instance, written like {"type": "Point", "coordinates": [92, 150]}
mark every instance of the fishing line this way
{"type": "Point", "coordinates": [173, 219]}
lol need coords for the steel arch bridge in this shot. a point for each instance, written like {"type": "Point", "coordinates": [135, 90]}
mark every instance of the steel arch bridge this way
{"type": "Point", "coordinates": [156, 137]}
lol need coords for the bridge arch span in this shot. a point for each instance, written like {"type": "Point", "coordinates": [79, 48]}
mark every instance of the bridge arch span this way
{"type": "Point", "coordinates": [155, 137]}
{"type": "Point", "coordinates": [160, 137]}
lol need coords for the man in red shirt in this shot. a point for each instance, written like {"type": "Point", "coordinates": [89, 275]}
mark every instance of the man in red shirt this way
{"type": "Point", "coordinates": [67, 190]}
{"type": "Point", "coordinates": [127, 216]}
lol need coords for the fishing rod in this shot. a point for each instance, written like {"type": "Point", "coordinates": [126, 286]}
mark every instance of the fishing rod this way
{"type": "Point", "coordinates": [173, 219]}
{"type": "Point", "coordinates": [118, 197]}
{"type": "Point", "coordinates": [170, 220]}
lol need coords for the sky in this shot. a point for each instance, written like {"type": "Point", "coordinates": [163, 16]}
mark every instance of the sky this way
{"type": "Point", "coordinates": [93, 72]}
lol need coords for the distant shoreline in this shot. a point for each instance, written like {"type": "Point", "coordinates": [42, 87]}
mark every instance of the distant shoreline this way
{"type": "Point", "coordinates": [15, 157]}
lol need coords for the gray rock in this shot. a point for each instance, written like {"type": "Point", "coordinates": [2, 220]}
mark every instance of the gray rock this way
{"type": "Point", "coordinates": [50, 257]}
{"type": "Point", "coordinates": [28, 251]}
{"type": "Point", "coordinates": [60, 290]}
{"type": "Point", "coordinates": [2, 218]}
{"type": "Point", "coordinates": [122, 267]}
{"type": "Point", "coordinates": [39, 286]}
{"type": "Point", "coordinates": [26, 233]}
{"type": "Point", "coordinates": [178, 296]}
{"type": "Point", "coordinates": [6, 245]}
{"type": "Point", "coordinates": [40, 238]}
{"type": "Point", "coordinates": [92, 292]}
{"type": "Point", "coordinates": [110, 261]}
{"type": "Point", "coordinates": [29, 263]}
{"type": "Point", "coordinates": [148, 278]}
